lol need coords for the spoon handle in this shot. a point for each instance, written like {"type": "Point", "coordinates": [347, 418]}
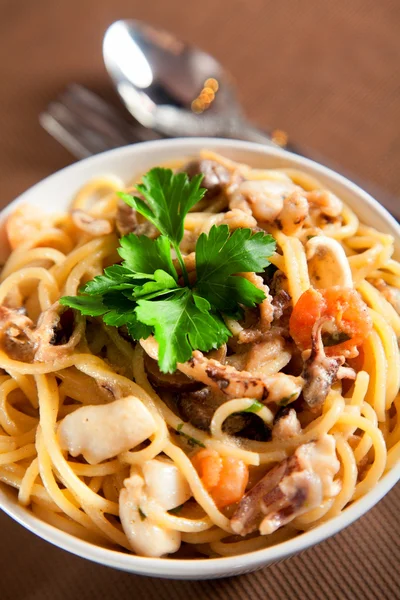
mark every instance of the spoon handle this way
{"type": "Point", "coordinates": [244, 130]}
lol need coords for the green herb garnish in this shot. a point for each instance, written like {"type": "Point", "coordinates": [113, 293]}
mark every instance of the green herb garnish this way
{"type": "Point", "coordinates": [285, 401]}
{"type": "Point", "coordinates": [190, 440]}
{"type": "Point", "coordinates": [220, 255]}
{"type": "Point", "coordinates": [333, 339]}
{"type": "Point", "coordinates": [254, 408]}
{"type": "Point", "coordinates": [144, 292]}
{"type": "Point", "coordinates": [176, 510]}
{"type": "Point", "coordinates": [169, 198]}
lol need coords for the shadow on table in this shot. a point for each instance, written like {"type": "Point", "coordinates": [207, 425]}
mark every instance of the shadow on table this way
{"type": "Point", "coordinates": [31, 569]}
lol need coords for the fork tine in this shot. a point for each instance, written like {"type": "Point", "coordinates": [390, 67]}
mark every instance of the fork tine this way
{"type": "Point", "coordinates": [78, 136]}
{"type": "Point", "coordinates": [78, 127]}
{"type": "Point", "coordinates": [86, 124]}
{"type": "Point", "coordinates": [60, 133]}
{"type": "Point", "coordinates": [118, 133]}
{"type": "Point", "coordinates": [78, 132]}
{"type": "Point", "coordinates": [86, 102]}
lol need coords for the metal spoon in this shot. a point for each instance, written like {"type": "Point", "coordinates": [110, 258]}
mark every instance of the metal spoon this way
{"type": "Point", "coordinates": [159, 77]}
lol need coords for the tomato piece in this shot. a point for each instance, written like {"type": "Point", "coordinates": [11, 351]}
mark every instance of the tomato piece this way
{"type": "Point", "coordinates": [224, 477]}
{"type": "Point", "coordinates": [344, 305]}
{"type": "Point", "coordinates": [351, 315]}
{"type": "Point", "coordinates": [310, 307]}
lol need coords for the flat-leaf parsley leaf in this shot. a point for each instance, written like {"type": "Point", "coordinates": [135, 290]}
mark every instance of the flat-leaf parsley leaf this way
{"type": "Point", "coordinates": [181, 327]}
{"type": "Point", "coordinates": [144, 293]}
{"type": "Point", "coordinates": [169, 197]}
{"type": "Point", "coordinates": [219, 256]}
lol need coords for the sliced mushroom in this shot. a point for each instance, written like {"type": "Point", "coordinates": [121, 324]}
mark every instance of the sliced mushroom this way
{"type": "Point", "coordinates": [279, 282]}
{"type": "Point", "coordinates": [172, 381]}
{"type": "Point", "coordinates": [58, 332]}
{"type": "Point", "coordinates": [127, 221]}
{"type": "Point", "coordinates": [89, 224]}
{"type": "Point", "coordinates": [281, 303]}
{"type": "Point", "coordinates": [199, 407]}
{"type": "Point", "coordinates": [248, 426]}
{"type": "Point", "coordinates": [216, 176]}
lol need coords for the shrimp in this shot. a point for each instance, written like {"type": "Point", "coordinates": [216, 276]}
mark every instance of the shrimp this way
{"type": "Point", "coordinates": [23, 223]}
{"type": "Point", "coordinates": [235, 219]}
{"type": "Point", "coordinates": [262, 199]}
{"type": "Point", "coordinates": [350, 323]}
{"type": "Point", "coordinates": [224, 477]}
{"type": "Point", "coordinates": [283, 202]}
{"type": "Point", "coordinates": [329, 204]}
{"type": "Point", "coordinates": [293, 214]}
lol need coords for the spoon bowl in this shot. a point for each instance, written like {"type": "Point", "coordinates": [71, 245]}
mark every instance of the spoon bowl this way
{"type": "Point", "coordinates": [165, 84]}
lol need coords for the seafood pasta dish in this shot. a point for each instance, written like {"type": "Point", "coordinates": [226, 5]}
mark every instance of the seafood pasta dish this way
{"type": "Point", "coordinates": [200, 362]}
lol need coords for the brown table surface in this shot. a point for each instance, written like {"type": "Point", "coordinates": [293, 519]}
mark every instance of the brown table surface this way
{"type": "Point", "coordinates": [325, 71]}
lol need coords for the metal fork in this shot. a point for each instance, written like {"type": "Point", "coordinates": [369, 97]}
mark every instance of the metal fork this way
{"type": "Point", "coordinates": [85, 124]}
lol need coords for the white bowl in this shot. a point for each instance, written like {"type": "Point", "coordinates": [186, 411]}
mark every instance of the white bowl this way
{"type": "Point", "coordinates": [55, 193]}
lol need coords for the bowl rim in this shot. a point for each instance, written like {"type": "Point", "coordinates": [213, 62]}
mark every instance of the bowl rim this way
{"type": "Point", "coordinates": [221, 566]}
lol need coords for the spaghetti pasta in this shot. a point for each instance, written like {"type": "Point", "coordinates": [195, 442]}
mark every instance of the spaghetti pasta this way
{"type": "Point", "coordinates": [320, 433]}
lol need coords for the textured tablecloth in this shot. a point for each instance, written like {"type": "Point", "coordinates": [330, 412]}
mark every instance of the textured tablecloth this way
{"type": "Point", "coordinates": [325, 71]}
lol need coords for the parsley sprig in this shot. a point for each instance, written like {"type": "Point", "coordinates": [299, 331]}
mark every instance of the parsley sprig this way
{"type": "Point", "coordinates": [144, 292]}
{"type": "Point", "coordinates": [169, 198]}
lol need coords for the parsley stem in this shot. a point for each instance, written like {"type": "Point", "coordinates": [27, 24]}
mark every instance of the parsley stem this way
{"type": "Point", "coordinates": [182, 264]}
